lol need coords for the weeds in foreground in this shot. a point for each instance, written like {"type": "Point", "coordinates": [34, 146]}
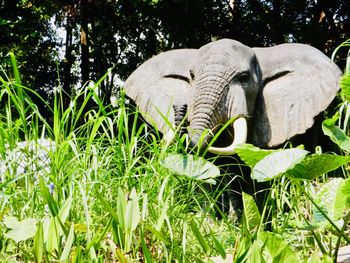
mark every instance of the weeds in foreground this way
{"type": "Point", "coordinates": [94, 185]}
{"type": "Point", "coordinates": [91, 186]}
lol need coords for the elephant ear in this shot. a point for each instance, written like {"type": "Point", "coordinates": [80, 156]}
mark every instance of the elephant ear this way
{"type": "Point", "coordinates": [160, 83]}
{"type": "Point", "coordinates": [298, 82]}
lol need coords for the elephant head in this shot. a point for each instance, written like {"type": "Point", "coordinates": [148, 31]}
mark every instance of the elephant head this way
{"type": "Point", "coordinates": [269, 94]}
{"type": "Point", "coordinates": [225, 79]}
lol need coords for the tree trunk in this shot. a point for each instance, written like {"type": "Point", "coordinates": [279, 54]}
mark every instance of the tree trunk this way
{"type": "Point", "coordinates": [68, 59]}
{"type": "Point", "coordinates": [84, 42]}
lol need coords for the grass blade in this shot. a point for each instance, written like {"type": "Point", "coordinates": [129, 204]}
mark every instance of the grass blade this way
{"type": "Point", "coordinates": [107, 206]}
{"type": "Point", "coordinates": [39, 242]}
{"type": "Point", "coordinates": [48, 198]}
{"type": "Point", "coordinates": [219, 247]}
{"type": "Point", "coordinates": [199, 236]}
{"type": "Point", "coordinates": [145, 250]}
{"type": "Point", "coordinates": [68, 245]}
{"type": "Point", "coordinates": [98, 238]}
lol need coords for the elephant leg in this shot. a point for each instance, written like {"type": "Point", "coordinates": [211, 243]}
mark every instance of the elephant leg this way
{"type": "Point", "coordinates": [235, 180]}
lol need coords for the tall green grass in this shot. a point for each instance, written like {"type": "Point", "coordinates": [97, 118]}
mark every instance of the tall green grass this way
{"type": "Point", "coordinates": [97, 185]}
{"type": "Point", "coordinates": [87, 185]}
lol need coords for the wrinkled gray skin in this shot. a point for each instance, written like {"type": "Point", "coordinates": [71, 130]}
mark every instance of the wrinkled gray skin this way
{"type": "Point", "coordinates": [278, 89]}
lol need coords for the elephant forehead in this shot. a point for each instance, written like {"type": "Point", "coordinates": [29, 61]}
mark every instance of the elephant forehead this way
{"type": "Point", "coordinates": [225, 53]}
{"type": "Point", "coordinates": [225, 65]}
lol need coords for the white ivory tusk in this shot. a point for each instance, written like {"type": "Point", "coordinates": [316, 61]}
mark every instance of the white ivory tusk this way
{"type": "Point", "coordinates": [240, 136]}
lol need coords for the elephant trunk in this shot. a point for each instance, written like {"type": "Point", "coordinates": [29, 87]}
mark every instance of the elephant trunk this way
{"type": "Point", "coordinates": [209, 112]}
{"type": "Point", "coordinates": [205, 113]}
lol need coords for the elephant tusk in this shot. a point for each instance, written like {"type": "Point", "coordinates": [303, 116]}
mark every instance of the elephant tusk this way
{"type": "Point", "coordinates": [240, 132]}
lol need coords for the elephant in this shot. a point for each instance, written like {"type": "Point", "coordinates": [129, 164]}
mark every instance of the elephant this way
{"type": "Point", "coordinates": [270, 94]}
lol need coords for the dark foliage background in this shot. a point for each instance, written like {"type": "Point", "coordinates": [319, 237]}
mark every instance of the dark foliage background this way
{"type": "Point", "coordinates": [122, 34]}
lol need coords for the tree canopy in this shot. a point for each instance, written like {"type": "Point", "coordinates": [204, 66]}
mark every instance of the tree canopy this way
{"type": "Point", "coordinates": [99, 35]}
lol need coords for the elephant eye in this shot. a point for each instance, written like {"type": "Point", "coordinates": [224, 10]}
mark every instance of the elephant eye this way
{"type": "Point", "coordinates": [191, 74]}
{"type": "Point", "coordinates": [244, 77]}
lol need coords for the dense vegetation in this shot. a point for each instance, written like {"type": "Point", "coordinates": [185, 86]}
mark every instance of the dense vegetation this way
{"type": "Point", "coordinates": [110, 189]}
{"type": "Point", "coordinates": [82, 181]}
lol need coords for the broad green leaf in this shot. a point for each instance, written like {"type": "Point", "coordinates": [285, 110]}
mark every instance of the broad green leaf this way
{"type": "Point", "coordinates": [63, 214]}
{"type": "Point", "coordinates": [132, 214]}
{"type": "Point", "coordinates": [244, 244]}
{"type": "Point", "coordinates": [51, 234]}
{"type": "Point", "coordinates": [345, 86]}
{"type": "Point", "coordinates": [276, 249]}
{"type": "Point", "coordinates": [199, 236]}
{"type": "Point", "coordinates": [332, 200]}
{"type": "Point", "coordinates": [346, 192]}
{"type": "Point", "coordinates": [38, 245]}
{"type": "Point", "coordinates": [120, 256]}
{"type": "Point", "coordinates": [326, 259]}
{"type": "Point", "coordinates": [121, 207]}
{"type": "Point", "coordinates": [54, 227]}
{"type": "Point", "coordinates": [64, 211]}
{"type": "Point", "coordinates": [20, 230]}
{"type": "Point", "coordinates": [251, 212]}
{"type": "Point", "coordinates": [68, 246]}
{"type": "Point", "coordinates": [192, 166]}
{"type": "Point", "coordinates": [255, 255]}
{"type": "Point", "coordinates": [251, 154]}
{"type": "Point", "coordinates": [316, 258]}
{"type": "Point", "coordinates": [277, 163]}
{"type": "Point", "coordinates": [316, 165]}
{"type": "Point", "coordinates": [336, 134]}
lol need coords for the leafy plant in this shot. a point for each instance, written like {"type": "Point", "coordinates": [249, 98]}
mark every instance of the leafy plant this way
{"type": "Point", "coordinates": [329, 204]}
{"type": "Point", "coordinates": [192, 166]}
{"type": "Point", "coordinates": [258, 245]}
{"type": "Point", "coordinates": [125, 220]}
{"type": "Point", "coordinates": [20, 230]}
